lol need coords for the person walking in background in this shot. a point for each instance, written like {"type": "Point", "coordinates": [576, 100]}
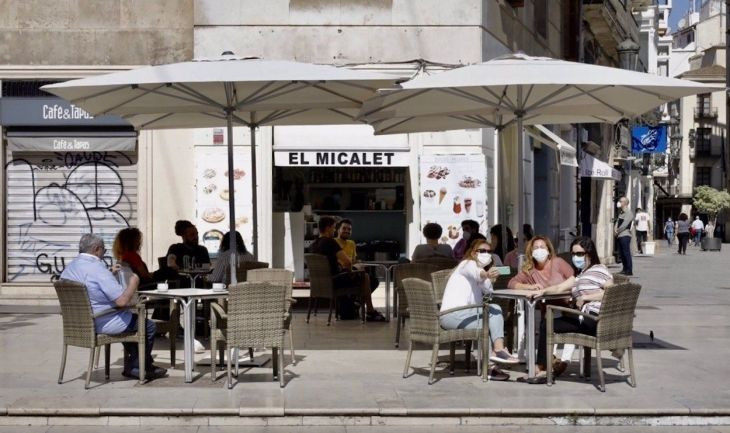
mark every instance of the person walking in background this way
{"type": "Point", "coordinates": [682, 233]}
{"type": "Point", "coordinates": [669, 231]}
{"type": "Point", "coordinates": [622, 231]}
{"type": "Point", "coordinates": [697, 227]}
{"type": "Point", "coordinates": [642, 228]}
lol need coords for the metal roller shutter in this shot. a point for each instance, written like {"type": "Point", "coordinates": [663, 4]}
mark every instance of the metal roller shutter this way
{"type": "Point", "coordinates": [52, 198]}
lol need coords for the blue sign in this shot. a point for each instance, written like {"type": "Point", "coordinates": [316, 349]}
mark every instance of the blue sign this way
{"type": "Point", "coordinates": [649, 139]}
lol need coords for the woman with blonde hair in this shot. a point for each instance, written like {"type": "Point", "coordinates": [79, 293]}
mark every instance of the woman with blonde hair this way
{"type": "Point", "coordinates": [542, 268]}
{"type": "Point", "coordinates": [467, 285]}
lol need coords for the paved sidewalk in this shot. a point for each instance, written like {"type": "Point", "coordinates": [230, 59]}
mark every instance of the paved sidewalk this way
{"type": "Point", "coordinates": [351, 374]}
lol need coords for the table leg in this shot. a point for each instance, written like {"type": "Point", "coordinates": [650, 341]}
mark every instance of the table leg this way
{"type": "Point", "coordinates": [387, 293]}
{"type": "Point", "coordinates": [192, 280]}
{"type": "Point", "coordinates": [530, 338]}
{"type": "Point", "coordinates": [189, 337]}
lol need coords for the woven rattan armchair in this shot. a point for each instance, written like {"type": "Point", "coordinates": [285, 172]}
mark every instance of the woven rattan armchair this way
{"type": "Point", "coordinates": [243, 268]}
{"type": "Point", "coordinates": [425, 327]}
{"type": "Point", "coordinates": [615, 323]}
{"type": "Point", "coordinates": [439, 280]}
{"type": "Point", "coordinates": [421, 271]}
{"type": "Point", "coordinates": [321, 286]}
{"type": "Point", "coordinates": [279, 276]}
{"type": "Point", "coordinates": [441, 262]}
{"type": "Point", "coordinates": [255, 319]}
{"type": "Point", "coordinates": [79, 329]}
{"type": "Point", "coordinates": [620, 279]}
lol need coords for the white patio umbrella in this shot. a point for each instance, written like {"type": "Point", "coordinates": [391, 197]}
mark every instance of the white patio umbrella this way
{"type": "Point", "coordinates": [523, 90]}
{"type": "Point", "coordinates": [225, 91]}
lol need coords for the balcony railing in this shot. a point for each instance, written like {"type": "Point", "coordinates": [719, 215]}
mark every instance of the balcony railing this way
{"type": "Point", "coordinates": [705, 113]}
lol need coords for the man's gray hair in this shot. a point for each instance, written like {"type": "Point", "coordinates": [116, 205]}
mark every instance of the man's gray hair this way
{"type": "Point", "coordinates": [89, 241]}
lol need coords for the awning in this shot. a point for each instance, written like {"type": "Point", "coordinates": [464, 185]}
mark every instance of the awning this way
{"type": "Point", "coordinates": [597, 169]}
{"type": "Point", "coordinates": [97, 141]}
{"type": "Point", "coordinates": [338, 146]}
{"type": "Point", "coordinates": [564, 149]}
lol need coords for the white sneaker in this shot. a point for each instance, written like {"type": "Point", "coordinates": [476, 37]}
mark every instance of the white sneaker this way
{"type": "Point", "coordinates": [199, 348]}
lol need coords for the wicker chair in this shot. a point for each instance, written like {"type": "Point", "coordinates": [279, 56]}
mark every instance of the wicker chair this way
{"type": "Point", "coordinates": [243, 268]}
{"type": "Point", "coordinates": [614, 326]}
{"type": "Point", "coordinates": [255, 318]}
{"type": "Point", "coordinates": [620, 279]}
{"type": "Point", "coordinates": [441, 262]}
{"type": "Point", "coordinates": [321, 286]}
{"type": "Point", "coordinates": [279, 276]}
{"type": "Point", "coordinates": [425, 327]}
{"type": "Point", "coordinates": [422, 271]}
{"type": "Point", "coordinates": [79, 329]}
{"type": "Point", "coordinates": [439, 279]}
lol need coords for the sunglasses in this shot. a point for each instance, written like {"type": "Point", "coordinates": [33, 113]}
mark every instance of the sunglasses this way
{"type": "Point", "coordinates": [483, 250]}
{"type": "Point", "coordinates": [581, 254]}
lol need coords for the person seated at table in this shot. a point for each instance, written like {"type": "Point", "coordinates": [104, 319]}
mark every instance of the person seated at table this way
{"type": "Point", "coordinates": [467, 285]}
{"type": "Point", "coordinates": [432, 248]}
{"type": "Point", "coordinates": [499, 245]}
{"type": "Point", "coordinates": [587, 291]}
{"type": "Point", "coordinates": [189, 247]}
{"type": "Point", "coordinates": [495, 258]}
{"type": "Point", "coordinates": [512, 258]}
{"type": "Point", "coordinates": [126, 247]}
{"type": "Point", "coordinates": [542, 268]}
{"type": "Point", "coordinates": [343, 229]}
{"type": "Point", "coordinates": [222, 270]}
{"type": "Point", "coordinates": [468, 228]}
{"type": "Point", "coordinates": [326, 245]}
{"type": "Point", "coordinates": [106, 294]}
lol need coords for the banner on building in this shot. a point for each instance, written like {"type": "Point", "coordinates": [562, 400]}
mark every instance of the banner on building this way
{"type": "Point", "coordinates": [649, 139]}
{"type": "Point", "coordinates": [452, 189]}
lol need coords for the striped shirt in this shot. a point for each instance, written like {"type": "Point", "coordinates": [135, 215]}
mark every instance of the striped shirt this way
{"type": "Point", "coordinates": [589, 282]}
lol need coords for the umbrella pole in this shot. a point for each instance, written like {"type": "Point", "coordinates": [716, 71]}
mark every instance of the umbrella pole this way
{"type": "Point", "coordinates": [520, 173]}
{"type": "Point", "coordinates": [254, 193]}
{"type": "Point", "coordinates": [231, 202]}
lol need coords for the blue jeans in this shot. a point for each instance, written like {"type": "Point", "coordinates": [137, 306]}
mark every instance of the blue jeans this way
{"type": "Point", "coordinates": [670, 238]}
{"type": "Point", "coordinates": [624, 243]}
{"type": "Point", "coordinates": [698, 237]}
{"type": "Point", "coordinates": [472, 319]}
{"type": "Point", "coordinates": [132, 348]}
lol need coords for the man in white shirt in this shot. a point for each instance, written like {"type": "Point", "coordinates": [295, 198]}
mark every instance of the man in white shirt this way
{"type": "Point", "coordinates": [642, 228]}
{"type": "Point", "coordinates": [698, 226]}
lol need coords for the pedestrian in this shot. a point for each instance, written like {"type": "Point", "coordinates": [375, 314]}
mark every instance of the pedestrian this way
{"type": "Point", "coordinates": [642, 228]}
{"type": "Point", "coordinates": [622, 231]}
{"type": "Point", "coordinates": [682, 233]}
{"type": "Point", "coordinates": [697, 227]}
{"type": "Point", "coordinates": [669, 231]}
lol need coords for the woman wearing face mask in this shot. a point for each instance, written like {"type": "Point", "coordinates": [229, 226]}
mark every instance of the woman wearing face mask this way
{"type": "Point", "coordinates": [544, 270]}
{"type": "Point", "coordinates": [467, 285]}
{"type": "Point", "coordinates": [587, 290]}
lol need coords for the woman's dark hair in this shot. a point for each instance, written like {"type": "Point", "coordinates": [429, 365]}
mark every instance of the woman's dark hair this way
{"type": "Point", "coordinates": [528, 232]}
{"type": "Point", "coordinates": [590, 248]}
{"type": "Point", "coordinates": [226, 243]}
{"type": "Point", "coordinates": [473, 225]}
{"type": "Point", "coordinates": [181, 226]}
{"type": "Point", "coordinates": [502, 248]}
{"type": "Point", "coordinates": [477, 237]}
{"type": "Point", "coordinates": [325, 222]}
{"type": "Point", "coordinates": [683, 217]}
{"type": "Point", "coordinates": [129, 239]}
{"type": "Point", "coordinates": [432, 231]}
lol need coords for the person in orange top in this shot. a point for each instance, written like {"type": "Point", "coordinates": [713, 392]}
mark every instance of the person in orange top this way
{"type": "Point", "coordinates": [542, 268]}
{"type": "Point", "coordinates": [126, 249]}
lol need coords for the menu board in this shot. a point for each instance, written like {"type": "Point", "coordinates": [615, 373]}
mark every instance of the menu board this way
{"type": "Point", "coordinates": [212, 195]}
{"type": "Point", "coordinates": [453, 188]}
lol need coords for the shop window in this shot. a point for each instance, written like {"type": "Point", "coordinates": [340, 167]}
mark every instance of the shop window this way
{"type": "Point", "coordinates": [25, 89]}
{"type": "Point", "coordinates": [703, 176]}
{"type": "Point", "coordinates": [541, 17]}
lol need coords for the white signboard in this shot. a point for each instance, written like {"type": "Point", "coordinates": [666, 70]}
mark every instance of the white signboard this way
{"type": "Point", "coordinates": [335, 158]}
{"type": "Point", "coordinates": [453, 188]}
{"type": "Point", "coordinates": [212, 195]}
{"type": "Point", "coordinates": [597, 169]}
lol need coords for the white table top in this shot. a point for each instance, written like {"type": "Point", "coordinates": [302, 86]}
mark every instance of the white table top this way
{"type": "Point", "coordinates": [185, 293]}
{"type": "Point", "coordinates": [526, 294]}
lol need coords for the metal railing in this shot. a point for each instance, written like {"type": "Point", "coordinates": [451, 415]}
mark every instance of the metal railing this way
{"type": "Point", "coordinates": [705, 112]}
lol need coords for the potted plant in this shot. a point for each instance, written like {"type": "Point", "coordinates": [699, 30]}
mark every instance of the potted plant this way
{"type": "Point", "coordinates": [711, 201]}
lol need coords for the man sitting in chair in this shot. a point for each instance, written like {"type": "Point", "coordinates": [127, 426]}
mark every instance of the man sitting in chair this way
{"type": "Point", "coordinates": [340, 265]}
{"type": "Point", "coordinates": [105, 293]}
{"type": "Point", "coordinates": [343, 230]}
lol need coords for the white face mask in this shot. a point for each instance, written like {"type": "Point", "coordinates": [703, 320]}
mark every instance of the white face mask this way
{"type": "Point", "coordinates": [540, 254]}
{"type": "Point", "coordinates": [484, 259]}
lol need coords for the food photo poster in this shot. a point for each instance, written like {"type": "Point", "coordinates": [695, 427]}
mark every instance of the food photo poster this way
{"type": "Point", "coordinates": [453, 189]}
{"type": "Point", "coordinates": [213, 195]}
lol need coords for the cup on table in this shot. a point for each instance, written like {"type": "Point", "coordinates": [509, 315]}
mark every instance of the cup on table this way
{"type": "Point", "coordinates": [219, 287]}
{"type": "Point", "coordinates": [162, 287]}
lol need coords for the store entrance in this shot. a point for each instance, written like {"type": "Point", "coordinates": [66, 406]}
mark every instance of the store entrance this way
{"type": "Point", "coordinates": [374, 199]}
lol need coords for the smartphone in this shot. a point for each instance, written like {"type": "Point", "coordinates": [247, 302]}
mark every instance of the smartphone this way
{"type": "Point", "coordinates": [504, 270]}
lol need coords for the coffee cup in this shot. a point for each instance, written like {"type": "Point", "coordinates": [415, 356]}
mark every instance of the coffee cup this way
{"type": "Point", "coordinates": [162, 286]}
{"type": "Point", "coordinates": [219, 287]}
